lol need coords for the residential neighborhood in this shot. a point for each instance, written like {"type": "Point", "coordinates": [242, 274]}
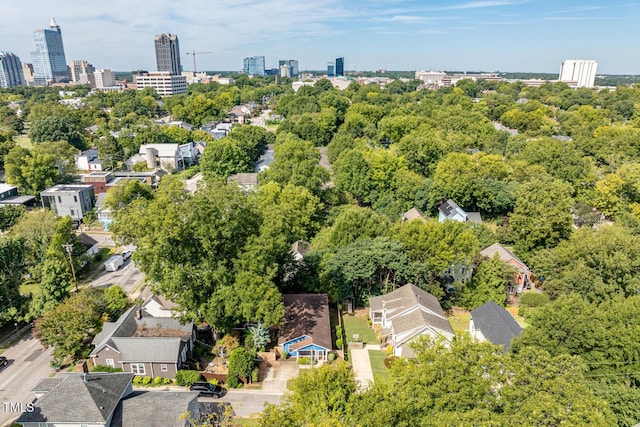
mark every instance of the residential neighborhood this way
{"type": "Point", "coordinates": [319, 247]}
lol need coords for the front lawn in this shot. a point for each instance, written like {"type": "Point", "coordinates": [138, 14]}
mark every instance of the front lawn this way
{"type": "Point", "coordinates": [358, 325]}
{"type": "Point", "coordinates": [380, 371]}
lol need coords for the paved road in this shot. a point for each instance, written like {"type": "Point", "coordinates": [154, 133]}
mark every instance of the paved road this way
{"type": "Point", "coordinates": [28, 363]}
{"type": "Point", "coordinates": [245, 403]}
{"type": "Point", "coordinates": [128, 277]}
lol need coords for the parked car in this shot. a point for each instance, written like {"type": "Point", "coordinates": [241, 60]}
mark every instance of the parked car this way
{"type": "Point", "coordinates": [3, 362]}
{"type": "Point", "coordinates": [207, 389]}
{"type": "Point", "coordinates": [126, 255]}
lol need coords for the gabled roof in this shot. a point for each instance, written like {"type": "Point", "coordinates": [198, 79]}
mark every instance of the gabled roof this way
{"type": "Point", "coordinates": [74, 400]}
{"type": "Point", "coordinates": [148, 349]}
{"type": "Point", "coordinates": [496, 324]}
{"type": "Point", "coordinates": [403, 305]}
{"type": "Point", "coordinates": [306, 315]}
{"type": "Point", "coordinates": [155, 409]}
{"type": "Point", "coordinates": [505, 255]}
{"type": "Point", "coordinates": [87, 240]}
{"type": "Point", "coordinates": [451, 208]}
{"type": "Point", "coordinates": [413, 213]}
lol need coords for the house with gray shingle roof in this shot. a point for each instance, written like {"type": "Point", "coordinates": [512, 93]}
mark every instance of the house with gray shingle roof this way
{"type": "Point", "coordinates": [76, 399]}
{"type": "Point", "coordinates": [407, 313]}
{"type": "Point", "coordinates": [106, 400]}
{"type": "Point", "coordinates": [493, 323]}
{"type": "Point", "coordinates": [306, 331]}
{"type": "Point", "coordinates": [144, 345]}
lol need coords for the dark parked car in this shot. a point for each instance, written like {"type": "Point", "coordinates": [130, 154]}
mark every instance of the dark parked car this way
{"type": "Point", "coordinates": [3, 362]}
{"type": "Point", "coordinates": [207, 389]}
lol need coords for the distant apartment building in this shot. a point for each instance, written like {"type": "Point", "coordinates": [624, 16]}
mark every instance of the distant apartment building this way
{"type": "Point", "coordinates": [291, 67]}
{"type": "Point", "coordinates": [49, 62]}
{"type": "Point", "coordinates": [340, 67]}
{"type": "Point", "coordinates": [69, 200]}
{"type": "Point", "coordinates": [165, 83]}
{"type": "Point", "coordinates": [104, 79]}
{"type": "Point", "coordinates": [578, 73]}
{"type": "Point", "coordinates": [79, 67]}
{"type": "Point", "coordinates": [168, 53]}
{"type": "Point", "coordinates": [10, 70]}
{"type": "Point", "coordinates": [254, 66]}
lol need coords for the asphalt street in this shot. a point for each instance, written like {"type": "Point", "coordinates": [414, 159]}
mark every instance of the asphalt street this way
{"type": "Point", "coordinates": [28, 363]}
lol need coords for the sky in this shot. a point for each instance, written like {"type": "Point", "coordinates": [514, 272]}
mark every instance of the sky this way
{"type": "Point", "coordinates": [460, 35]}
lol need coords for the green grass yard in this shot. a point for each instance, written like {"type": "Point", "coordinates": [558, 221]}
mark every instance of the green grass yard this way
{"type": "Point", "coordinates": [459, 321]}
{"type": "Point", "coordinates": [24, 141]}
{"type": "Point", "coordinates": [360, 326]}
{"type": "Point", "coordinates": [380, 371]}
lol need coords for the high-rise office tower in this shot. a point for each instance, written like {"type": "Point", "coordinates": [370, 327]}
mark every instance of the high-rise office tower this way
{"type": "Point", "coordinates": [79, 67]}
{"type": "Point", "coordinates": [254, 66]}
{"type": "Point", "coordinates": [168, 53]}
{"type": "Point", "coordinates": [104, 79]}
{"type": "Point", "coordinates": [582, 72]}
{"type": "Point", "coordinates": [293, 66]}
{"type": "Point", "coordinates": [10, 70]}
{"type": "Point", "coordinates": [339, 67]}
{"type": "Point", "coordinates": [49, 62]}
{"type": "Point", "coordinates": [331, 69]}
{"type": "Point", "coordinates": [28, 74]}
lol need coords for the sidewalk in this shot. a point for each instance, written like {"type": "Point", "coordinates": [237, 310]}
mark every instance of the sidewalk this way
{"type": "Point", "coordinates": [6, 339]}
{"type": "Point", "coordinates": [362, 366]}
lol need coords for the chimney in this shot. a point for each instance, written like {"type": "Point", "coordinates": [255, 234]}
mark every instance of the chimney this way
{"type": "Point", "coordinates": [138, 314]}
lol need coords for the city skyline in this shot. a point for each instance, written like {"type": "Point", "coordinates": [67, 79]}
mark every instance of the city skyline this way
{"type": "Point", "coordinates": [488, 35]}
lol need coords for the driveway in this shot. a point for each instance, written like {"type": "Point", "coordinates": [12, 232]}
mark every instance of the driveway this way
{"type": "Point", "coordinates": [28, 363]}
{"type": "Point", "coordinates": [277, 376]}
{"type": "Point", "coordinates": [128, 277]}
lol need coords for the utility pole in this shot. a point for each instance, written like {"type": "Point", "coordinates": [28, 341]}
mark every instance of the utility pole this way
{"type": "Point", "coordinates": [69, 247]}
{"type": "Point", "coordinates": [194, 53]}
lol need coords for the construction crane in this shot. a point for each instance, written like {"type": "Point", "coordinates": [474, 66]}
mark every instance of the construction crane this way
{"type": "Point", "coordinates": [194, 53]}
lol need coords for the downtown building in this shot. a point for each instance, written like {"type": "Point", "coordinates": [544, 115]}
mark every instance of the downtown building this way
{"type": "Point", "coordinates": [78, 68]}
{"type": "Point", "coordinates": [168, 53]}
{"type": "Point", "coordinates": [164, 83]}
{"type": "Point", "coordinates": [254, 66]}
{"type": "Point", "coordinates": [578, 73]}
{"type": "Point", "coordinates": [49, 62]}
{"type": "Point", "coordinates": [288, 67]}
{"type": "Point", "coordinates": [10, 70]}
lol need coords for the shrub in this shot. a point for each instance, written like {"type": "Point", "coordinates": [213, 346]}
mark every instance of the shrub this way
{"type": "Point", "coordinates": [388, 361]}
{"type": "Point", "coordinates": [304, 361]}
{"type": "Point", "coordinates": [241, 363]}
{"type": "Point", "coordinates": [166, 381]}
{"type": "Point", "coordinates": [338, 331]}
{"type": "Point", "coordinates": [339, 343]}
{"type": "Point", "coordinates": [255, 375]}
{"type": "Point", "coordinates": [98, 256]}
{"type": "Point", "coordinates": [146, 380]}
{"type": "Point", "coordinates": [531, 300]}
{"type": "Point", "coordinates": [186, 378]}
{"type": "Point", "coordinates": [158, 380]}
{"type": "Point", "coordinates": [137, 379]}
{"type": "Point", "coordinates": [331, 357]}
{"type": "Point", "coordinates": [233, 382]}
{"type": "Point", "coordinates": [214, 381]}
{"type": "Point", "coordinates": [229, 342]}
{"type": "Point", "coordinates": [105, 368]}
{"type": "Point", "coordinates": [389, 350]}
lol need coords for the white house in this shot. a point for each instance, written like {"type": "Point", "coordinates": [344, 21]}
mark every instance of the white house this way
{"type": "Point", "coordinates": [163, 156]}
{"type": "Point", "coordinates": [450, 210]}
{"type": "Point", "coordinates": [407, 313]}
{"type": "Point", "coordinates": [88, 161]}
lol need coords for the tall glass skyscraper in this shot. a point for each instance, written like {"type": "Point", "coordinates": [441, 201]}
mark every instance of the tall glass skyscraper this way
{"type": "Point", "coordinates": [10, 70]}
{"type": "Point", "coordinates": [168, 54]}
{"type": "Point", "coordinates": [254, 66]}
{"type": "Point", "coordinates": [49, 62]}
{"type": "Point", "coordinates": [339, 67]}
